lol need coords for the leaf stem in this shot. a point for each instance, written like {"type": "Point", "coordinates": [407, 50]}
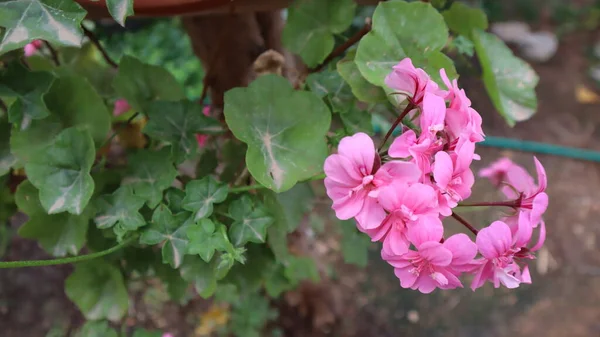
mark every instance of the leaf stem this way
{"type": "Point", "coordinates": [53, 53]}
{"type": "Point", "coordinates": [512, 203]}
{"type": "Point", "coordinates": [96, 43]}
{"type": "Point", "coordinates": [259, 186]}
{"type": "Point", "coordinates": [343, 47]}
{"type": "Point", "coordinates": [465, 223]}
{"type": "Point", "coordinates": [408, 108]}
{"type": "Point", "coordinates": [66, 260]}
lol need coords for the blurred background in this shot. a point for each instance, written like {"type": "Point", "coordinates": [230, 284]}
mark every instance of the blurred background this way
{"type": "Point", "coordinates": [563, 45]}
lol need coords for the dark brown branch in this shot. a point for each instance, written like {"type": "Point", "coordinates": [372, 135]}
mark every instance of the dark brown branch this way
{"type": "Point", "coordinates": [96, 43]}
{"type": "Point", "coordinates": [53, 53]}
{"type": "Point", "coordinates": [341, 49]}
{"type": "Point", "coordinates": [465, 223]}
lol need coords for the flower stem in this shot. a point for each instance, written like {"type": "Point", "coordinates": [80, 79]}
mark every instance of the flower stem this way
{"type": "Point", "coordinates": [66, 260]}
{"type": "Point", "coordinates": [408, 108]}
{"type": "Point", "coordinates": [465, 223]}
{"type": "Point", "coordinates": [511, 203]}
{"type": "Point", "coordinates": [96, 43]}
{"type": "Point", "coordinates": [53, 53]}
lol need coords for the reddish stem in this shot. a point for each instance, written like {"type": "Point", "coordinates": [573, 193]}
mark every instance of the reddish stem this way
{"type": "Point", "coordinates": [465, 223]}
{"type": "Point", "coordinates": [512, 203]}
{"type": "Point", "coordinates": [53, 53]}
{"type": "Point", "coordinates": [342, 48]}
{"type": "Point", "coordinates": [408, 108]}
{"type": "Point", "coordinates": [96, 43]}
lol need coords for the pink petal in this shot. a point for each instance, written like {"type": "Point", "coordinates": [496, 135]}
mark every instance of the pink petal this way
{"type": "Point", "coordinates": [484, 273]}
{"type": "Point", "coordinates": [541, 175]}
{"type": "Point", "coordinates": [206, 110]}
{"type": "Point", "coordinates": [463, 249]}
{"type": "Point", "coordinates": [341, 170]}
{"type": "Point", "coordinates": [407, 278]}
{"type": "Point", "coordinates": [372, 214]}
{"type": "Point", "coordinates": [349, 207]}
{"type": "Point", "coordinates": [121, 107]}
{"type": "Point", "coordinates": [433, 114]}
{"type": "Point", "coordinates": [495, 240]}
{"type": "Point", "coordinates": [520, 179]}
{"type": "Point", "coordinates": [443, 169]}
{"type": "Point", "coordinates": [425, 284]}
{"type": "Point", "coordinates": [464, 155]}
{"type": "Point", "coordinates": [525, 275]}
{"type": "Point", "coordinates": [508, 280]}
{"type": "Point", "coordinates": [400, 145]}
{"type": "Point", "coordinates": [401, 170]}
{"type": "Point", "coordinates": [435, 253]}
{"type": "Point", "coordinates": [524, 230]}
{"type": "Point", "coordinates": [539, 206]}
{"type": "Point", "coordinates": [420, 198]}
{"type": "Point", "coordinates": [360, 150]}
{"type": "Point", "coordinates": [201, 140]}
{"type": "Point", "coordinates": [541, 239]}
{"type": "Point", "coordinates": [396, 243]}
{"type": "Point", "coordinates": [428, 229]}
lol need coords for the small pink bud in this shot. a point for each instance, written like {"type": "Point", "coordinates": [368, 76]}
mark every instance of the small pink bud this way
{"type": "Point", "coordinates": [30, 49]}
{"type": "Point", "coordinates": [121, 107]}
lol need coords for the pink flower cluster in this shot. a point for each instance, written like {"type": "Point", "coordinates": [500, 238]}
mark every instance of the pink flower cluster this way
{"type": "Point", "coordinates": [32, 47]}
{"type": "Point", "coordinates": [400, 199]}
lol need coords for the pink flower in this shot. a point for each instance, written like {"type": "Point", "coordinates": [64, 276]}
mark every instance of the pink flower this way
{"type": "Point", "coordinates": [501, 250]}
{"type": "Point", "coordinates": [412, 82]}
{"type": "Point", "coordinates": [354, 178]}
{"type": "Point", "coordinates": [462, 121]}
{"type": "Point", "coordinates": [496, 171]}
{"type": "Point", "coordinates": [433, 114]}
{"type": "Point", "coordinates": [121, 107]}
{"type": "Point", "coordinates": [408, 205]}
{"type": "Point", "coordinates": [453, 176]}
{"type": "Point", "coordinates": [433, 264]}
{"type": "Point", "coordinates": [32, 48]}
{"type": "Point", "coordinates": [167, 334]}
{"type": "Point", "coordinates": [420, 149]}
{"type": "Point", "coordinates": [201, 139]}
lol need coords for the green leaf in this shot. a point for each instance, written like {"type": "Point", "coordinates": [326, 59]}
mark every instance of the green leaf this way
{"type": "Point", "coordinates": [120, 209]}
{"type": "Point", "coordinates": [200, 195]}
{"type": "Point", "coordinates": [120, 10]}
{"type": "Point", "coordinates": [250, 221]}
{"type": "Point", "coordinates": [201, 273]}
{"type": "Point", "coordinates": [59, 234]}
{"type": "Point", "coordinates": [288, 209]}
{"type": "Point", "coordinates": [462, 19]}
{"type": "Point", "coordinates": [509, 81]}
{"type": "Point", "coordinates": [232, 156]}
{"type": "Point", "coordinates": [61, 172]}
{"type": "Point", "coordinates": [361, 88]}
{"type": "Point", "coordinates": [151, 173]}
{"type": "Point", "coordinates": [177, 123]}
{"type": "Point", "coordinates": [301, 268]}
{"type": "Point", "coordinates": [205, 239]}
{"type": "Point", "coordinates": [29, 89]}
{"type": "Point", "coordinates": [331, 86]}
{"type": "Point", "coordinates": [311, 25]}
{"type": "Point", "coordinates": [98, 290]}
{"type": "Point", "coordinates": [276, 283]}
{"type": "Point", "coordinates": [208, 163]}
{"type": "Point", "coordinates": [82, 107]}
{"type": "Point", "coordinates": [7, 159]}
{"type": "Point", "coordinates": [284, 129]}
{"type": "Point", "coordinates": [141, 83]}
{"type": "Point", "coordinates": [96, 329]}
{"type": "Point", "coordinates": [174, 198]}
{"type": "Point", "coordinates": [463, 45]}
{"type": "Point", "coordinates": [88, 62]}
{"type": "Point", "coordinates": [397, 32]}
{"type": "Point", "coordinates": [357, 120]}
{"type": "Point", "coordinates": [56, 21]}
{"type": "Point", "coordinates": [170, 230]}
{"type": "Point", "coordinates": [355, 245]}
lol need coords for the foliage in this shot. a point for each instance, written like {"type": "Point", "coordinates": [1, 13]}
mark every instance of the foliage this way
{"type": "Point", "coordinates": [221, 228]}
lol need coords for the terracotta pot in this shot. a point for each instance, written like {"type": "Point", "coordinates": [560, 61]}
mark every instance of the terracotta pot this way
{"type": "Point", "coordinates": [158, 8]}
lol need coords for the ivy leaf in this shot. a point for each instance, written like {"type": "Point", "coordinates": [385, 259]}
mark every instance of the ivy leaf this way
{"type": "Point", "coordinates": [288, 209]}
{"type": "Point", "coordinates": [509, 81]}
{"type": "Point", "coordinates": [56, 21]}
{"type": "Point", "coordinates": [120, 10]}
{"type": "Point", "coordinates": [284, 129]}
{"type": "Point", "coordinates": [98, 290]}
{"type": "Point", "coordinates": [83, 106]}
{"type": "Point", "coordinates": [201, 273]}
{"type": "Point", "coordinates": [174, 198]}
{"type": "Point", "coordinates": [462, 19]}
{"type": "Point", "coordinates": [96, 329]}
{"type": "Point", "coordinates": [62, 172]}
{"type": "Point", "coordinates": [140, 83]}
{"type": "Point", "coordinates": [311, 25]}
{"type": "Point", "coordinates": [120, 209]}
{"type": "Point", "coordinates": [176, 285]}
{"type": "Point", "coordinates": [59, 234]}
{"type": "Point", "coordinates": [151, 173]}
{"type": "Point", "coordinates": [29, 88]}
{"type": "Point", "coordinates": [7, 159]}
{"type": "Point", "coordinates": [330, 85]}
{"type": "Point", "coordinates": [250, 221]}
{"type": "Point", "coordinates": [361, 88]}
{"type": "Point", "coordinates": [397, 33]}
{"type": "Point", "coordinates": [205, 239]}
{"type": "Point", "coordinates": [178, 123]}
{"type": "Point", "coordinates": [169, 230]}
{"type": "Point", "coordinates": [355, 245]}
{"type": "Point", "coordinates": [276, 282]}
{"type": "Point", "coordinates": [200, 195]}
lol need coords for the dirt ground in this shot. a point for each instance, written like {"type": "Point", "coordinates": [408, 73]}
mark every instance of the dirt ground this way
{"type": "Point", "coordinates": [564, 299]}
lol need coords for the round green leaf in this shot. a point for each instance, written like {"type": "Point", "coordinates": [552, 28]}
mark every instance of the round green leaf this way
{"type": "Point", "coordinates": [61, 172]}
{"type": "Point", "coordinates": [401, 30]}
{"type": "Point", "coordinates": [98, 290]}
{"type": "Point", "coordinates": [284, 129]}
{"type": "Point", "coordinates": [96, 329]}
{"type": "Point", "coordinates": [462, 19]}
{"type": "Point", "coordinates": [361, 88]}
{"type": "Point", "coordinates": [509, 81]}
{"type": "Point", "coordinates": [311, 24]}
